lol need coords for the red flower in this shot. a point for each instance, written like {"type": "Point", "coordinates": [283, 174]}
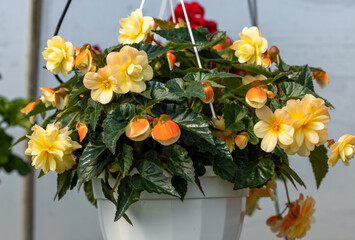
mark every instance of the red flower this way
{"type": "Point", "coordinates": [195, 13]}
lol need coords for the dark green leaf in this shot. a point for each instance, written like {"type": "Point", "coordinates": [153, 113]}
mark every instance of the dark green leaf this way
{"type": "Point", "coordinates": [152, 51]}
{"type": "Point", "coordinates": [90, 164]}
{"type": "Point", "coordinates": [179, 162]}
{"type": "Point", "coordinates": [192, 89]}
{"type": "Point", "coordinates": [115, 123]}
{"type": "Point", "coordinates": [5, 141]}
{"type": "Point", "coordinates": [219, 149]}
{"type": "Point", "coordinates": [252, 174]}
{"type": "Point", "coordinates": [63, 183]}
{"type": "Point", "coordinates": [283, 67]}
{"type": "Point", "coordinates": [292, 174]}
{"type": "Point", "coordinates": [186, 118]}
{"type": "Point", "coordinates": [153, 179]}
{"type": "Point", "coordinates": [225, 168]}
{"type": "Point", "coordinates": [253, 69]}
{"type": "Point", "coordinates": [180, 186]}
{"type": "Point", "coordinates": [305, 78]}
{"type": "Point", "coordinates": [319, 159]}
{"type": "Point", "coordinates": [160, 92]}
{"type": "Point", "coordinates": [164, 25]}
{"type": "Point", "coordinates": [125, 158]}
{"type": "Point", "coordinates": [89, 193]}
{"type": "Point", "coordinates": [209, 76]}
{"type": "Point", "coordinates": [127, 195]}
{"type": "Point", "coordinates": [93, 112]}
{"type": "Point", "coordinates": [233, 113]}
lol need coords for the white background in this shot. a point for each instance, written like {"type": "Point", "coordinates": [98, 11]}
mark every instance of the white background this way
{"type": "Point", "coordinates": [318, 32]}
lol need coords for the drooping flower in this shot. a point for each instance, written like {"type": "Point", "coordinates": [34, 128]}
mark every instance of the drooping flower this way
{"type": "Point", "coordinates": [82, 130]}
{"type": "Point", "coordinates": [256, 193]}
{"type": "Point", "coordinates": [59, 55]}
{"type": "Point", "coordinates": [273, 128]}
{"type": "Point", "coordinates": [165, 130]}
{"type": "Point", "coordinates": [343, 149]}
{"type": "Point", "coordinates": [29, 107]}
{"type": "Point", "coordinates": [135, 28]}
{"type": "Point", "coordinates": [138, 128]}
{"type": "Point", "coordinates": [256, 97]}
{"type": "Point", "coordinates": [321, 78]}
{"type": "Point", "coordinates": [102, 85]}
{"type": "Point", "coordinates": [51, 148]}
{"type": "Point", "coordinates": [251, 46]}
{"type": "Point", "coordinates": [83, 61]}
{"type": "Point", "coordinates": [171, 59]}
{"type": "Point", "coordinates": [241, 140]}
{"type": "Point", "coordinates": [130, 68]}
{"type": "Point", "coordinates": [309, 117]}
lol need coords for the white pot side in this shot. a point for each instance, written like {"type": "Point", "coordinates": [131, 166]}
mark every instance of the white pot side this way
{"type": "Point", "coordinates": [218, 215]}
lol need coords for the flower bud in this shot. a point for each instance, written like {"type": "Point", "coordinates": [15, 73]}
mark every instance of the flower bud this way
{"type": "Point", "coordinates": [274, 54]}
{"type": "Point", "coordinates": [207, 88]}
{"type": "Point", "coordinates": [241, 140]}
{"type": "Point", "coordinates": [256, 97]}
{"type": "Point", "coordinates": [82, 130]}
{"type": "Point", "coordinates": [270, 94]}
{"type": "Point", "coordinates": [171, 59]}
{"type": "Point", "coordinates": [330, 143]}
{"type": "Point", "coordinates": [321, 78]}
{"type": "Point", "coordinates": [166, 131]}
{"type": "Point", "coordinates": [138, 128]}
{"type": "Point", "coordinates": [83, 61]}
{"type": "Point", "coordinates": [266, 62]}
{"type": "Point", "coordinates": [29, 107]}
{"type": "Point", "coordinates": [219, 123]}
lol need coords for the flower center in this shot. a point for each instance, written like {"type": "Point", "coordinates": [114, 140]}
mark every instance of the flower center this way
{"type": "Point", "coordinates": [134, 69]}
{"type": "Point", "coordinates": [106, 84]}
{"type": "Point", "coordinates": [275, 126]}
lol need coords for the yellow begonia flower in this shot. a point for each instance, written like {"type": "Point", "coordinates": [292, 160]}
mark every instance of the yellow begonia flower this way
{"type": "Point", "coordinates": [51, 148]}
{"type": "Point", "coordinates": [344, 149]}
{"type": "Point", "coordinates": [135, 28]}
{"type": "Point", "coordinates": [51, 97]}
{"type": "Point", "coordinates": [251, 46]}
{"type": "Point", "coordinates": [130, 69]}
{"type": "Point", "coordinates": [309, 117]}
{"type": "Point", "coordinates": [273, 128]}
{"type": "Point", "coordinates": [59, 55]}
{"type": "Point", "coordinates": [83, 61]}
{"type": "Point", "coordinates": [250, 78]}
{"type": "Point", "coordinates": [101, 84]}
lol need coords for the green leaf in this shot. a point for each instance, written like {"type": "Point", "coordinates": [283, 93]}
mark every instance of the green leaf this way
{"type": "Point", "coordinates": [5, 141]}
{"type": "Point", "coordinates": [153, 179]}
{"type": "Point", "coordinates": [233, 113]}
{"type": "Point", "coordinates": [179, 162]}
{"type": "Point", "coordinates": [283, 67]}
{"type": "Point", "coordinates": [161, 92]}
{"type": "Point", "coordinates": [209, 76]}
{"type": "Point", "coordinates": [90, 164]}
{"type": "Point", "coordinates": [178, 87]}
{"type": "Point", "coordinates": [225, 168]}
{"type": "Point", "coordinates": [253, 69]}
{"type": "Point", "coordinates": [285, 168]}
{"type": "Point", "coordinates": [218, 149]}
{"type": "Point", "coordinates": [93, 112]}
{"type": "Point", "coordinates": [252, 174]}
{"type": "Point", "coordinates": [127, 195]}
{"type": "Point", "coordinates": [152, 51]}
{"type": "Point", "coordinates": [296, 90]}
{"type": "Point", "coordinates": [186, 118]}
{"type": "Point", "coordinates": [89, 193]}
{"type": "Point", "coordinates": [164, 25]}
{"type": "Point", "coordinates": [115, 123]}
{"type": "Point", "coordinates": [64, 181]}
{"type": "Point", "coordinates": [319, 159]}
{"type": "Point", "coordinates": [281, 153]}
{"type": "Point", "coordinates": [125, 158]}
{"type": "Point", "coordinates": [305, 78]}
{"type": "Point", "coordinates": [180, 186]}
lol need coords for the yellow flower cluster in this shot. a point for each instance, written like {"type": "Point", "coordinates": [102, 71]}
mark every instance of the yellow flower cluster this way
{"type": "Point", "coordinates": [51, 148]}
{"type": "Point", "coordinates": [126, 71]}
{"type": "Point", "coordinates": [297, 128]}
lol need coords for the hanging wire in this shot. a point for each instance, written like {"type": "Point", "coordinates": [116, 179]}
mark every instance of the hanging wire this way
{"type": "Point", "coordinates": [172, 11]}
{"type": "Point", "coordinates": [162, 9]}
{"type": "Point", "coordinates": [253, 12]}
{"type": "Point", "coordinates": [142, 4]}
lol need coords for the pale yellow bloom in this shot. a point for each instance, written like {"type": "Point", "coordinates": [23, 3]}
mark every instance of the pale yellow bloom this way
{"type": "Point", "coordinates": [51, 97]}
{"type": "Point", "coordinates": [250, 78]}
{"type": "Point", "coordinates": [273, 128]}
{"type": "Point", "coordinates": [130, 68]}
{"type": "Point", "coordinates": [309, 117]}
{"type": "Point", "coordinates": [51, 148]}
{"type": "Point", "coordinates": [59, 55]}
{"type": "Point", "coordinates": [101, 84]}
{"type": "Point", "coordinates": [343, 149]}
{"type": "Point", "coordinates": [251, 46]}
{"type": "Point", "coordinates": [83, 61]}
{"type": "Point", "coordinates": [135, 28]}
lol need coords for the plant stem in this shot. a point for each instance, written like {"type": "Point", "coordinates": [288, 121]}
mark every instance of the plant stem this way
{"type": "Point", "coordinates": [158, 43]}
{"type": "Point", "coordinates": [72, 120]}
{"type": "Point", "coordinates": [116, 183]}
{"type": "Point", "coordinates": [287, 195]}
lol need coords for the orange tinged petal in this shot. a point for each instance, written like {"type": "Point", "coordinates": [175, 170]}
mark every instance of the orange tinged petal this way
{"type": "Point", "coordinates": [207, 88]}
{"type": "Point", "coordinates": [241, 140]}
{"type": "Point", "coordinates": [166, 131]}
{"type": "Point", "coordinates": [82, 130]}
{"type": "Point", "coordinates": [256, 97]}
{"type": "Point", "coordinates": [29, 107]}
{"type": "Point", "coordinates": [138, 128]}
{"type": "Point", "coordinates": [171, 59]}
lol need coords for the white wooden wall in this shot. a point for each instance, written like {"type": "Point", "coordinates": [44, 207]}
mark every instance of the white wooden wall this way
{"type": "Point", "coordinates": [318, 32]}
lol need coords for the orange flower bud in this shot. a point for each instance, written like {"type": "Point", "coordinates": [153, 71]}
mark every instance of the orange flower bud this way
{"type": "Point", "coordinates": [241, 140]}
{"type": "Point", "coordinates": [171, 59]}
{"type": "Point", "coordinates": [166, 131]}
{"type": "Point", "coordinates": [321, 78]}
{"type": "Point", "coordinates": [273, 54]}
{"type": "Point", "coordinates": [256, 97]}
{"type": "Point", "coordinates": [29, 107]}
{"type": "Point", "coordinates": [270, 94]}
{"type": "Point", "coordinates": [83, 61]}
{"type": "Point", "coordinates": [138, 128]}
{"type": "Point", "coordinates": [330, 143]}
{"type": "Point", "coordinates": [207, 88]}
{"type": "Point", "coordinates": [82, 130]}
{"type": "Point", "coordinates": [266, 62]}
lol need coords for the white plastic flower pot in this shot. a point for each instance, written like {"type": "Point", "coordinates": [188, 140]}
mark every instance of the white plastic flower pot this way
{"type": "Point", "coordinates": [218, 215]}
